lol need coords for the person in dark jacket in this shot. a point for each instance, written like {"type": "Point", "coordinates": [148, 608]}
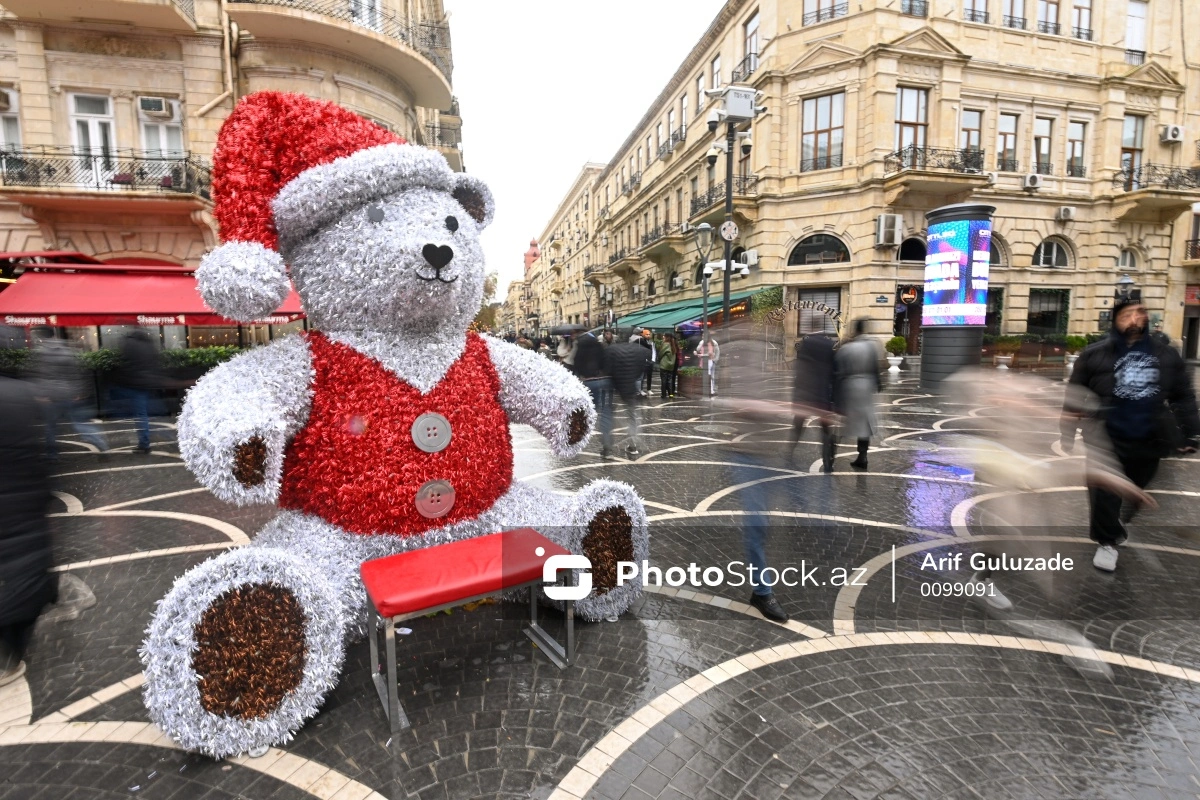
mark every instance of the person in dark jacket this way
{"type": "Point", "coordinates": [812, 392]}
{"type": "Point", "coordinates": [1140, 391]}
{"type": "Point", "coordinates": [26, 583]}
{"type": "Point", "coordinates": [589, 367]}
{"type": "Point", "coordinates": [62, 388]}
{"type": "Point", "coordinates": [625, 363]}
{"type": "Point", "coordinates": [858, 379]}
{"type": "Point", "coordinates": [137, 376]}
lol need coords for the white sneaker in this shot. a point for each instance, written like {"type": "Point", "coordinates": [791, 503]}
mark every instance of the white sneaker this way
{"type": "Point", "coordinates": [992, 596]}
{"type": "Point", "coordinates": [10, 675]}
{"type": "Point", "coordinates": [1106, 558]}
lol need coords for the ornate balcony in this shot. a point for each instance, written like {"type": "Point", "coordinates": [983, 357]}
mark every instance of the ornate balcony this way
{"type": "Point", "coordinates": [914, 8]}
{"type": "Point", "coordinates": [130, 181]}
{"type": "Point", "coordinates": [666, 242]}
{"type": "Point", "coordinates": [1135, 58]}
{"type": "Point", "coordinates": [1191, 250]}
{"type": "Point", "coordinates": [745, 68]}
{"type": "Point", "coordinates": [1082, 33]}
{"type": "Point", "coordinates": [1155, 193]}
{"type": "Point", "coordinates": [419, 55]}
{"type": "Point", "coordinates": [447, 139]}
{"type": "Point", "coordinates": [1052, 28]}
{"type": "Point", "coordinates": [825, 14]}
{"type": "Point", "coordinates": [976, 16]}
{"type": "Point", "coordinates": [173, 15]}
{"type": "Point", "coordinates": [933, 171]}
{"type": "Point", "coordinates": [710, 205]}
{"type": "Point", "coordinates": [1016, 23]}
{"type": "Point", "coordinates": [623, 261]}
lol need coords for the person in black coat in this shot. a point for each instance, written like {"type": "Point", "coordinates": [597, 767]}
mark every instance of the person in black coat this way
{"type": "Point", "coordinates": [1146, 407]}
{"type": "Point", "coordinates": [26, 583]}
{"type": "Point", "coordinates": [812, 393]}
{"type": "Point", "coordinates": [625, 364]}
{"type": "Point", "coordinates": [138, 374]}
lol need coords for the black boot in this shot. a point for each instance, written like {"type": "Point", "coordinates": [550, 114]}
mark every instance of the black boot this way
{"type": "Point", "coordinates": [861, 461]}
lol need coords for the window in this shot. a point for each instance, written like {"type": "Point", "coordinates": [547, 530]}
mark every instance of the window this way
{"type": "Point", "coordinates": [912, 250]}
{"type": "Point", "coordinates": [679, 204]}
{"type": "Point", "coordinates": [365, 13]}
{"type": "Point", "coordinates": [639, 159]}
{"type": "Point", "coordinates": [683, 111]}
{"type": "Point", "coordinates": [820, 248]}
{"type": "Point", "coordinates": [10, 123]}
{"type": "Point", "coordinates": [813, 317]}
{"type": "Point", "coordinates": [1127, 261]}
{"type": "Point", "coordinates": [751, 40]}
{"type": "Point", "coordinates": [972, 130]}
{"type": "Point", "coordinates": [649, 152]}
{"type": "Point", "coordinates": [1081, 20]}
{"type": "Point", "coordinates": [1014, 14]}
{"type": "Point", "coordinates": [650, 288]}
{"type": "Point", "coordinates": [1043, 129]}
{"type": "Point", "coordinates": [821, 10]}
{"type": "Point", "coordinates": [1076, 137]}
{"type": "Point", "coordinates": [1051, 253]}
{"type": "Point", "coordinates": [1048, 17]}
{"type": "Point", "coordinates": [92, 133]}
{"type": "Point", "coordinates": [823, 132]}
{"type": "Point", "coordinates": [658, 137]}
{"type": "Point", "coordinates": [716, 72]}
{"type": "Point", "coordinates": [1048, 311]}
{"type": "Point", "coordinates": [1006, 143]}
{"type": "Point", "coordinates": [671, 125]}
{"type": "Point", "coordinates": [975, 11]}
{"type": "Point", "coordinates": [695, 188]}
{"type": "Point", "coordinates": [912, 118]}
{"type": "Point", "coordinates": [1135, 27]}
{"type": "Point", "coordinates": [163, 136]}
{"type": "Point", "coordinates": [1131, 150]}
{"type": "Point", "coordinates": [995, 310]}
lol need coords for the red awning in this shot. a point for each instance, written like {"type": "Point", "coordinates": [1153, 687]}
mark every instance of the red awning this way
{"type": "Point", "coordinates": [106, 296]}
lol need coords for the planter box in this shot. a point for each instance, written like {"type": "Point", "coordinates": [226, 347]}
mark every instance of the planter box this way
{"type": "Point", "coordinates": [691, 386]}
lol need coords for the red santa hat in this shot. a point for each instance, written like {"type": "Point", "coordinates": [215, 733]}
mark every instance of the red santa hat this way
{"type": "Point", "coordinates": [284, 166]}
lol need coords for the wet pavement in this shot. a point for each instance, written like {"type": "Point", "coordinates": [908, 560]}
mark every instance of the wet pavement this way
{"type": "Point", "coordinates": [884, 685]}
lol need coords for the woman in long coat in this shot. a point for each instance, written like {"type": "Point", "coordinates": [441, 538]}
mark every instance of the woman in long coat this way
{"type": "Point", "coordinates": [858, 380]}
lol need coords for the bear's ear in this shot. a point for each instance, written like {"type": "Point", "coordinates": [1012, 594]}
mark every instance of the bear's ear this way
{"type": "Point", "coordinates": [475, 197]}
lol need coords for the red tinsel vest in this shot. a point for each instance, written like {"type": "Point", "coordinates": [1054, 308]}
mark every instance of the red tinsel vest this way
{"type": "Point", "coordinates": [355, 463]}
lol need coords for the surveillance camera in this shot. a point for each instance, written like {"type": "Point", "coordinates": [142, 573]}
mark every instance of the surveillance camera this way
{"type": "Point", "coordinates": [708, 271]}
{"type": "Point", "coordinates": [745, 272]}
{"type": "Point", "coordinates": [746, 145]}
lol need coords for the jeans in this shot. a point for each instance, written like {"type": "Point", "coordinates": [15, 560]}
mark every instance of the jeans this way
{"type": "Point", "coordinates": [648, 378]}
{"type": "Point", "coordinates": [754, 502]}
{"type": "Point", "coordinates": [77, 415]}
{"type": "Point", "coordinates": [1106, 526]}
{"type": "Point", "coordinates": [601, 390]}
{"type": "Point", "coordinates": [134, 403]}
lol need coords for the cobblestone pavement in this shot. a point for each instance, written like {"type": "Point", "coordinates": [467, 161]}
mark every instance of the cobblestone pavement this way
{"type": "Point", "coordinates": [888, 686]}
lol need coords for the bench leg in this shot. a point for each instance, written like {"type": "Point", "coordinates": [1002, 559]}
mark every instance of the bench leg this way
{"type": "Point", "coordinates": [562, 656]}
{"type": "Point", "coordinates": [386, 682]}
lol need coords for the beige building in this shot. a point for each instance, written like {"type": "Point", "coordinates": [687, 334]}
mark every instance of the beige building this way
{"type": "Point", "coordinates": [110, 108]}
{"type": "Point", "coordinates": [1078, 120]}
{"type": "Point", "coordinates": [564, 295]}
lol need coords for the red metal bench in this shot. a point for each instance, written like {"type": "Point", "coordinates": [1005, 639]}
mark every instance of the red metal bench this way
{"type": "Point", "coordinates": [431, 579]}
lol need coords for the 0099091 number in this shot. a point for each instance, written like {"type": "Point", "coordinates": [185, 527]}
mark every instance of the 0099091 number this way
{"type": "Point", "coordinates": [970, 589]}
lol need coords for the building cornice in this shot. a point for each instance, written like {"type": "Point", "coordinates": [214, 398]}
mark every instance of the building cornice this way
{"type": "Point", "coordinates": [394, 84]}
{"type": "Point", "coordinates": [102, 63]}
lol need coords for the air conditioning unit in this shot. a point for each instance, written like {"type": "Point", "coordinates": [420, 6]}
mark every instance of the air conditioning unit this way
{"type": "Point", "coordinates": [677, 282]}
{"type": "Point", "coordinates": [156, 107]}
{"type": "Point", "coordinates": [5, 102]}
{"type": "Point", "coordinates": [889, 230]}
{"type": "Point", "coordinates": [637, 290]}
{"type": "Point", "coordinates": [684, 227]}
{"type": "Point", "coordinates": [1171, 134]}
{"type": "Point", "coordinates": [992, 177]}
{"type": "Point", "coordinates": [1065, 214]}
{"type": "Point", "coordinates": [1032, 181]}
{"type": "Point", "coordinates": [749, 258]}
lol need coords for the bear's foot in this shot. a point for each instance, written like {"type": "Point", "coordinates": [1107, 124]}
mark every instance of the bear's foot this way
{"type": "Point", "coordinates": [242, 651]}
{"type": "Point", "coordinates": [608, 526]}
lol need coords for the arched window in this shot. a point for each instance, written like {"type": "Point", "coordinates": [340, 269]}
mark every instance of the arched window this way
{"type": "Point", "coordinates": [912, 250]}
{"type": "Point", "coordinates": [650, 288]}
{"type": "Point", "coordinates": [672, 280]}
{"type": "Point", "coordinates": [1128, 260]}
{"type": "Point", "coordinates": [820, 248]}
{"type": "Point", "coordinates": [1052, 252]}
{"type": "Point", "coordinates": [998, 250]}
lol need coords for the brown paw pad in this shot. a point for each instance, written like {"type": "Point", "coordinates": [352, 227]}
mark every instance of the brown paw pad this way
{"type": "Point", "coordinates": [249, 651]}
{"type": "Point", "coordinates": [250, 462]}
{"type": "Point", "coordinates": [609, 539]}
{"type": "Point", "coordinates": [577, 428]}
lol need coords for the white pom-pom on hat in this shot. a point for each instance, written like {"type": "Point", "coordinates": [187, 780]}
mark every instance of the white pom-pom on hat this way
{"type": "Point", "coordinates": [243, 281]}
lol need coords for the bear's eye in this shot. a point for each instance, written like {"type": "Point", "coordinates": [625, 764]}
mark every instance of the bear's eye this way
{"type": "Point", "coordinates": [375, 213]}
{"type": "Point", "coordinates": [451, 224]}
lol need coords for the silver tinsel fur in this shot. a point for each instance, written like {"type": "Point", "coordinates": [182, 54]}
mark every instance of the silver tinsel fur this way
{"type": "Point", "coordinates": [353, 232]}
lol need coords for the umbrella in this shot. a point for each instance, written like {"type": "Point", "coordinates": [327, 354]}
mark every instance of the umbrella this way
{"type": "Point", "coordinates": [567, 330]}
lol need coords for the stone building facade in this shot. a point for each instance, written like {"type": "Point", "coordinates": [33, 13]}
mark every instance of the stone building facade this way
{"type": "Point", "coordinates": [563, 295]}
{"type": "Point", "coordinates": [109, 122]}
{"type": "Point", "coordinates": [1078, 120]}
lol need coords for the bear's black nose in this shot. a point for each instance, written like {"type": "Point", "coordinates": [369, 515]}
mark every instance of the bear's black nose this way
{"type": "Point", "coordinates": [438, 257]}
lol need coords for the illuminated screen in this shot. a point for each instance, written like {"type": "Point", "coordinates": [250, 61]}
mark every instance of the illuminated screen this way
{"type": "Point", "coordinates": [956, 272]}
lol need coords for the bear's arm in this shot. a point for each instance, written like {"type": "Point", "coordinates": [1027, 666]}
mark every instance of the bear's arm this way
{"type": "Point", "coordinates": [541, 393]}
{"type": "Point", "coordinates": [238, 418]}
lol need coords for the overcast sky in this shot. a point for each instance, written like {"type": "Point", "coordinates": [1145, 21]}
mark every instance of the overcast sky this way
{"type": "Point", "coordinates": [548, 85]}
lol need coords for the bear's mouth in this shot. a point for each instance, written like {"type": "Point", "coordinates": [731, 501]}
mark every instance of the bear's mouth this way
{"type": "Point", "coordinates": [436, 276]}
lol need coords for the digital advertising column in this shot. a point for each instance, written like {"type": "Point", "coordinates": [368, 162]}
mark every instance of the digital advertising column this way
{"type": "Point", "coordinates": [957, 260]}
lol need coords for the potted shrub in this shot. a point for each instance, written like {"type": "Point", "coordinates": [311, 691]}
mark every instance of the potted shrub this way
{"type": "Point", "coordinates": [1005, 347]}
{"type": "Point", "coordinates": [691, 382]}
{"type": "Point", "coordinates": [896, 347]}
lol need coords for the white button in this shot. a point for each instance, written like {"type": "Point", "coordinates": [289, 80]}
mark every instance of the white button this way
{"type": "Point", "coordinates": [431, 432]}
{"type": "Point", "coordinates": [435, 499]}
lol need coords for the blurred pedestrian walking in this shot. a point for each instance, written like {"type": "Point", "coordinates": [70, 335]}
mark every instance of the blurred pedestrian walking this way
{"type": "Point", "coordinates": [1147, 406]}
{"type": "Point", "coordinates": [646, 340]}
{"type": "Point", "coordinates": [566, 352]}
{"type": "Point", "coordinates": [812, 392]}
{"type": "Point", "coordinates": [26, 583]}
{"type": "Point", "coordinates": [625, 363]}
{"type": "Point", "coordinates": [135, 379]}
{"type": "Point", "coordinates": [857, 367]}
{"type": "Point", "coordinates": [63, 389]}
{"type": "Point", "coordinates": [709, 353]}
{"type": "Point", "coordinates": [590, 368]}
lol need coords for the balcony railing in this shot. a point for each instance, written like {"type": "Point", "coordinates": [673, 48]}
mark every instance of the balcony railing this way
{"type": "Point", "coordinates": [443, 135]}
{"type": "Point", "coordinates": [914, 8]}
{"type": "Point", "coordinates": [114, 170]}
{"type": "Point", "coordinates": [661, 232]}
{"type": "Point", "coordinates": [617, 256]}
{"type": "Point", "coordinates": [188, 7]}
{"type": "Point", "coordinates": [1008, 165]}
{"type": "Point", "coordinates": [431, 39]}
{"type": "Point", "coordinates": [1191, 249]}
{"type": "Point", "coordinates": [678, 135]}
{"type": "Point", "coordinates": [932, 158]}
{"type": "Point", "coordinates": [1052, 28]}
{"type": "Point", "coordinates": [602, 214]}
{"type": "Point", "coordinates": [1076, 171]}
{"type": "Point", "coordinates": [1043, 168]}
{"type": "Point", "coordinates": [821, 162]}
{"type": "Point", "coordinates": [742, 185]}
{"type": "Point", "coordinates": [745, 68]}
{"type": "Point", "coordinates": [1082, 33]}
{"type": "Point", "coordinates": [1013, 22]}
{"type": "Point", "coordinates": [825, 14]}
{"type": "Point", "coordinates": [1167, 177]}
{"type": "Point", "coordinates": [664, 149]}
{"type": "Point", "coordinates": [971, 15]}
{"type": "Point", "coordinates": [1135, 58]}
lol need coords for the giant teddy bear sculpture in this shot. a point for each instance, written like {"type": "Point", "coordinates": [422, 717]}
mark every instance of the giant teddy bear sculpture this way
{"type": "Point", "coordinates": [383, 428]}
